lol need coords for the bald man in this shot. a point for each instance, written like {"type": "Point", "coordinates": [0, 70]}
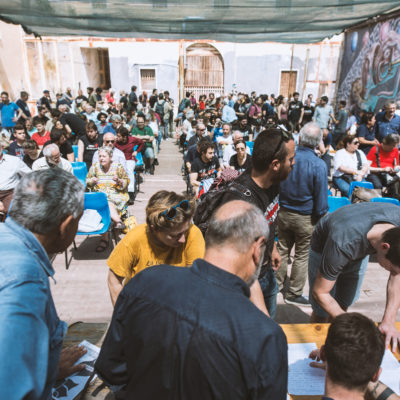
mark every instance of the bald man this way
{"type": "Point", "coordinates": [211, 341]}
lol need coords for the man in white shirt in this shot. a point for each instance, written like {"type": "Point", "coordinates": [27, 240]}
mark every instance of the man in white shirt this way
{"type": "Point", "coordinates": [52, 158]}
{"type": "Point", "coordinates": [109, 140]}
{"type": "Point", "coordinates": [11, 170]}
{"type": "Point", "coordinates": [225, 140]}
{"type": "Point", "coordinates": [230, 149]}
{"type": "Point", "coordinates": [187, 125]}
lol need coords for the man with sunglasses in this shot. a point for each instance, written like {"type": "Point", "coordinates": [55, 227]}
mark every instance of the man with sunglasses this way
{"type": "Point", "coordinates": [272, 161]}
{"type": "Point", "coordinates": [193, 333]}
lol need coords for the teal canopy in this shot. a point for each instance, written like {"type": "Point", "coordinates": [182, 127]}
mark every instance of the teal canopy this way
{"type": "Point", "coordinates": [294, 21]}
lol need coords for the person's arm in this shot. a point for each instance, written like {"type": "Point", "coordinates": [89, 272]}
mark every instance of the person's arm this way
{"type": "Point", "coordinates": [301, 114]}
{"type": "Point", "coordinates": [114, 285]}
{"type": "Point", "coordinates": [279, 111]}
{"type": "Point", "coordinates": [193, 179]}
{"type": "Point", "coordinates": [378, 390]}
{"type": "Point", "coordinates": [275, 258]}
{"type": "Point", "coordinates": [81, 149]}
{"type": "Point", "coordinates": [321, 293]}
{"type": "Point", "coordinates": [257, 297]}
{"type": "Point", "coordinates": [387, 326]}
{"type": "Point", "coordinates": [320, 196]}
{"type": "Point", "coordinates": [71, 157]}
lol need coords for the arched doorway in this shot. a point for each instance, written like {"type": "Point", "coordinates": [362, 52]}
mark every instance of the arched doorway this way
{"type": "Point", "coordinates": [204, 70]}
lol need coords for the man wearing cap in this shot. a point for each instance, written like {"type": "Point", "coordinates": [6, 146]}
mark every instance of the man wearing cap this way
{"type": "Point", "coordinates": [46, 100]}
{"type": "Point", "coordinates": [116, 122]}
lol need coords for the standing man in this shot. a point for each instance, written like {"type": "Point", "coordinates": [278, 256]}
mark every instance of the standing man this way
{"type": "Point", "coordinates": [340, 247]}
{"type": "Point", "coordinates": [323, 113]}
{"type": "Point", "coordinates": [296, 112]}
{"type": "Point", "coordinates": [340, 122]}
{"type": "Point", "coordinates": [23, 105]}
{"type": "Point", "coordinates": [211, 341]}
{"type": "Point", "coordinates": [272, 161]}
{"type": "Point", "coordinates": [47, 206]}
{"type": "Point", "coordinates": [133, 99]}
{"type": "Point", "coordinates": [303, 201]}
{"type": "Point", "coordinates": [387, 121]}
{"type": "Point", "coordinates": [46, 100]}
{"type": "Point", "coordinates": [10, 113]}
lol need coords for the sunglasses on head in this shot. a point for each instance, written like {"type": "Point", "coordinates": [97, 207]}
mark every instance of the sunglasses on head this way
{"type": "Point", "coordinates": [285, 137]}
{"type": "Point", "coordinates": [170, 213]}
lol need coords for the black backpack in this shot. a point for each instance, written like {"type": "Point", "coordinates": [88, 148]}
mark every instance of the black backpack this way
{"type": "Point", "coordinates": [160, 109]}
{"type": "Point", "coordinates": [183, 104]}
{"type": "Point", "coordinates": [211, 200]}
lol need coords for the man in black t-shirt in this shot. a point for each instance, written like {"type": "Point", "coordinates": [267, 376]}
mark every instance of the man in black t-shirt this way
{"type": "Point", "coordinates": [59, 137]}
{"type": "Point", "coordinates": [206, 166]}
{"type": "Point", "coordinates": [272, 161]}
{"type": "Point", "coordinates": [296, 111]}
{"type": "Point", "coordinates": [75, 123]}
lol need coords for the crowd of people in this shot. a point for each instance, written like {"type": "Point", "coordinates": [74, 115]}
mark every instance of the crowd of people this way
{"type": "Point", "coordinates": [203, 327]}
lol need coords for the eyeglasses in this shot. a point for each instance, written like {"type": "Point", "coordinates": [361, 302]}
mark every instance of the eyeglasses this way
{"type": "Point", "coordinates": [285, 137]}
{"type": "Point", "coordinates": [109, 141]}
{"type": "Point", "coordinates": [170, 213]}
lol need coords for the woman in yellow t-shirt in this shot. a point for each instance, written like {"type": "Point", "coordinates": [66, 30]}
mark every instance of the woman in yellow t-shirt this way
{"type": "Point", "coordinates": [168, 237]}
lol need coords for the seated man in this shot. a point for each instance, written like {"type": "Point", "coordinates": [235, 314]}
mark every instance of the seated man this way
{"type": "Point", "coordinates": [12, 169]}
{"type": "Point", "coordinates": [52, 158]}
{"type": "Point", "coordinates": [211, 341]}
{"type": "Point", "coordinates": [43, 220]}
{"type": "Point", "coordinates": [384, 160]}
{"type": "Point", "coordinates": [16, 148]}
{"type": "Point", "coordinates": [205, 168]}
{"type": "Point", "coordinates": [225, 140]}
{"type": "Point", "coordinates": [145, 133]}
{"type": "Point", "coordinates": [127, 145]}
{"type": "Point", "coordinates": [340, 247]}
{"type": "Point", "coordinates": [352, 355]}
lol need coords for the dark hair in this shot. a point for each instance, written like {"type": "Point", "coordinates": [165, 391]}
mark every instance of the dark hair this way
{"type": "Point", "coordinates": [343, 103]}
{"type": "Point", "coordinates": [19, 127]}
{"type": "Point", "coordinates": [296, 94]}
{"type": "Point", "coordinates": [166, 92]}
{"type": "Point", "coordinates": [154, 90]}
{"type": "Point", "coordinates": [123, 131]}
{"type": "Point", "coordinates": [240, 141]}
{"type": "Point", "coordinates": [6, 93]}
{"type": "Point", "coordinates": [325, 98]}
{"type": "Point", "coordinates": [91, 125]}
{"type": "Point", "coordinates": [392, 237]}
{"type": "Point", "coordinates": [30, 145]}
{"type": "Point", "coordinates": [55, 134]}
{"type": "Point", "coordinates": [39, 121]}
{"type": "Point", "coordinates": [187, 94]}
{"type": "Point", "coordinates": [391, 140]}
{"type": "Point", "coordinates": [23, 93]}
{"type": "Point", "coordinates": [160, 96]}
{"type": "Point", "coordinates": [55, 113]}
{"type": "Point", "coordinates": [204, 146]}
{"type": "Point", "coordinates": [348, 139]}
{"type": "Point", "coordinates": [89, 88]}
{"type": "Point", "coordinates": [41, 108]}
{"type": "Point", "coordinates": [265, 148]}
{"type": "Point", "coordinates": [133, 88]}
{"type": "Point", "coordinates": [99, 90]}
{"type": "Point", "coordinates": [354, 350]}
{"type": "Point", "coordinates": [367, 117]}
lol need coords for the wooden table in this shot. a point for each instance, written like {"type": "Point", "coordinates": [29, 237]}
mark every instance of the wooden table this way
{"type": "Point", "coordinates": [311, 333]}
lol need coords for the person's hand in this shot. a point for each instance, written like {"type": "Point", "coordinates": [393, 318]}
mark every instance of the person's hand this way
{"type": "Point", "coordinates": [134, 154]}
{"type": "Point", "coordinates": [358, 177]}
{"type": "Point", "coordinates": [93, 180]}
{"type": "Point", "coordinates": [2, 208]}
{"type": "Point", "coordinates": [14, 119]}
{"type": "Point", "coordinates": [68, 357]}
{"type": "Point", "coordinates": [116, 180]}
{"type": "Point", "coordinates": [392, 335]}
{"type": "Point", "coordinates": [376, 141]}
{"type": "Point", "coordinates": [387, 169]}
{"type": "Point", "coordinates": [275, 259]}
{"type": "Point", "coordinates": [316, 355]}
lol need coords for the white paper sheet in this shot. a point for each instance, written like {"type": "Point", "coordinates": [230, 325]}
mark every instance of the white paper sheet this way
{"type": "Point", "coordinates": [303, 379]}
{"type": "Point", "coordinates": [390, 375]}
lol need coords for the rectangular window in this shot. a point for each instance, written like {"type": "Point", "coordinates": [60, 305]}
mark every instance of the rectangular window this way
{"type": "Point", "coordinates": [148, 79]}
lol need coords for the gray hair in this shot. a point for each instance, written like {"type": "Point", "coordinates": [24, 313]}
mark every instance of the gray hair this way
{"type": "Point", "coordinates": [44, 199]}
{"type": "Point", "coordinates": [310, 135]}
{"type": "Point", "coordinates": [190, 114]}
{"type": "Point", "coordinates": [241, 230]}
{"type": "Point", "coordinates": [49, 149]}
{"type": "Point", "coordinates": [106, 149]}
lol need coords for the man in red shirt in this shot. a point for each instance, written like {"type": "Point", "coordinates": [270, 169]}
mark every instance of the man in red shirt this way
{"type": "Point", "coordinates": [384, 160]}
{"type": "Point", "coordinates": [126, 144]}
{"type": "Point", "coordinates": [41, 136]}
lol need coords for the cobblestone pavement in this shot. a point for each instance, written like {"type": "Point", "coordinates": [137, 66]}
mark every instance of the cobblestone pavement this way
{"type": "Point", "coordinates": [81, 293]}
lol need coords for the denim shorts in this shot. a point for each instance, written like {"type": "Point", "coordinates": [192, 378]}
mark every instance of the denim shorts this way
{"type": "Point", "coordinates": [348, 284]}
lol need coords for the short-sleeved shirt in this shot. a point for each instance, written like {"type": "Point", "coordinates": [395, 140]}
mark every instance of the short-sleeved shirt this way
{"type": "Point", "coordinates": [205, 170]}
{"type": "Point", "coordinates": [7, 114]}
{"type": "Point", "coordinates": [341, 237]}
{"type": "Point", "coordinates": [342, 118]}
{"type": "Point", "coordinates": [295, 111]}
{"type": "Point", "coordinates": [136, 252]}
{"type": "Point", "coordinates": [41, 140]}
{"type": "Point", "coordinates": [146, 131]}
{"type": "Point", "coordinates": [386, 127]}
{"type": "Point", "coordinates": [65, 149]}
{"type": "Point", "coordinates": [367, 134]}
{"type": "Point", "coordinates": [233, 162]}
{"type": "Point", "coordinates": [386, 158]}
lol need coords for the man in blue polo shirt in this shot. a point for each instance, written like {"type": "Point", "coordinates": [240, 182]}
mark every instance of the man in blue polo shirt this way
{"type": "Point", "coordinates": [387, 121]}
{"type": "Point", "coordinates": [10, 112]}
{"type": "Point", "coordinates": [303, 200]}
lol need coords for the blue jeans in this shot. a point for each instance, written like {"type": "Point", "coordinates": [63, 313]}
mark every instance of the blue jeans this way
{"type": "Point", "coordinates": [348, 284]}
{"type": "Point", "coordinates": [270, 290]}
{"type": "Point", "coordinates": [342, 185]}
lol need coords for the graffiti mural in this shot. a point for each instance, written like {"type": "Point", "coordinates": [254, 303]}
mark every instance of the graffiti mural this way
{"type": "Point", "coordinates": [370, 70]}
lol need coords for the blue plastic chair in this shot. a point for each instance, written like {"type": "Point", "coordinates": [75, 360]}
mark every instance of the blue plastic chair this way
{"type": "Point", "coordinates": [335, 202]}
{"type": "Point", "coordinates": [95, 201]}
{"type": "Point", "coordinates": [330, 193]}
{"type": "Point", "coordinates": [80, 171]}
{"type": "Point", "coordinates": [250, 145]}
{"type": "Point", "coordinates": [390, 200]}
{"type": "Point", "coordinates": [75, 148]}
{"type": "Point", "coordinates": [138, 170]}
{"type": "Point", "coordinates": [365, 184]}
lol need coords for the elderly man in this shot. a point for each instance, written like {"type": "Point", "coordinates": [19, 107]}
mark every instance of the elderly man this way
{"type": "Point", "coordinates": [387, 121]}
{"type": "Point", "coordinates": [116, 122]}
{"type": "Point", "coordinates": [109, 140]}
{"type": "Point", "coordinates": [46, 209]}
{"type": "Point", "coordinates": [303, 200]}
{"type": "Point", "coordinates": [200, 132]}
{"type": "Point", "coordinates": [52, 158]}
{"type": "Point", "coordinates": [90, 113]}
{"type": "Point", "coordinates": [210, 337]}
{"type": "Point", "coordinates": [229, 150]}
{"type": "Point", "coordinates": [11, 170]}
{"type": "Point", "coordinates": [340, 247]}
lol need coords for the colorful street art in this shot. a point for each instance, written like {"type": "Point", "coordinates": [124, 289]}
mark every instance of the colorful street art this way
{"type": "Point", "coordinates": [370, 70]}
